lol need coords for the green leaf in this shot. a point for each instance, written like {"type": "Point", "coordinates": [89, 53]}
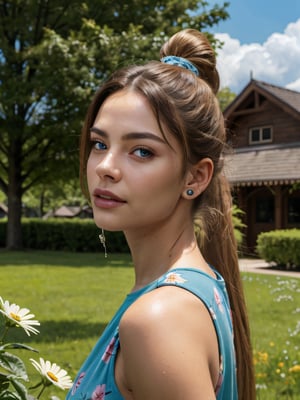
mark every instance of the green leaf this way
{"type": "Point", "coordinates": [8, 395]}
{"type": "Point", "coordinates": [20, 388]}
{"type": "Point", "coordinates": [18, 346]}
{"type": "Point", "coordinates": [13, 364]}
{"type": "Point", "coordinates": [4, 382]}
{"type": "Point", "coordinates": [5, 393]}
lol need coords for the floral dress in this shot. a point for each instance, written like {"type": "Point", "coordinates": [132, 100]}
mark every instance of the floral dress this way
{"type": "Point", "coordinates": [96, 381]}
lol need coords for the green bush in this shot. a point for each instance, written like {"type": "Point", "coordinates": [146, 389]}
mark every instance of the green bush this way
{"type": "Point", "coordinates": [238, 225]}
{"type": "Point", "coordinates": [81, 234]}
{"type": "Point", "coordinates": [280, 246]}
{"type": "Point", "coordinates": [66, 234]}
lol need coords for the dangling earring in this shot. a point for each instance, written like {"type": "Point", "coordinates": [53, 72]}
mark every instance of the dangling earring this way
{"type": "Point", "coordinates": [190, 192]}
{"type": "Point", "coordinates": [102, 241]}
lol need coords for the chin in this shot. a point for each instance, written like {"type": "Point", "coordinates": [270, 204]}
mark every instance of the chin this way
{"type": "Point", "coordinates": [106, 226]}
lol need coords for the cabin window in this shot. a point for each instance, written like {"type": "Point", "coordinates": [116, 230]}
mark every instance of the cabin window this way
{"type": "Point", "coordinates": [294, 210]}
{"type": "Point", "coordinates": [260, 135]}
{"type": "Point", "coordinates": [265, 209]}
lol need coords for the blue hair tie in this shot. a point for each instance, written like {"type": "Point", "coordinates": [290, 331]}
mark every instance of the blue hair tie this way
{"type": "Point", "coordinates": [180, 62]}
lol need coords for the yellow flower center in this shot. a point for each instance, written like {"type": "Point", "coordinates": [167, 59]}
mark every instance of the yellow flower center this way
{"type": "Point", "coordinates": [15, 317]}
{"type": "Point", "coordinates": [52, 376]}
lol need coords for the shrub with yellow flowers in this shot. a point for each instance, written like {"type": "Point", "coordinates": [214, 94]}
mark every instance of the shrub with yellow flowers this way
{"type": "Point", "coordinates": [13, 373]}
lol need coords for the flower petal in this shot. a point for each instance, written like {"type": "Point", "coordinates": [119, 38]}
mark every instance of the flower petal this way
{"type": "Point", "coordinates": [19, 316]}
{"type": "Point", "coordinates": [53, 373]}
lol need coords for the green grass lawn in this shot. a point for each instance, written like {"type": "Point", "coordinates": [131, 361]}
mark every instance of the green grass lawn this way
{"type": "Point", "coordinates": [274, 313]}
{"type": "Point", "coordinates": [74, 296]}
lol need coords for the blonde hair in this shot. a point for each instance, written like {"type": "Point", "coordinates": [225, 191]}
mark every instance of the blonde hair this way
{"type": "Point", "coordinates": [187, 106]}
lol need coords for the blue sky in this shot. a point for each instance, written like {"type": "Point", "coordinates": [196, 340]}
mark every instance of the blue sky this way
{"type": "Point", "coordinates": [255, 20]}
{"type": "Point", "coordinates": [261, 37]}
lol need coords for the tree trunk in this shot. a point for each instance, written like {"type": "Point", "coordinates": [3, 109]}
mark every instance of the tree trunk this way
{"type": "Point", "coordinates": [42, 201]}
{"type": "Point", "coordinates": [14, 198]}
{"type": "Point", "coordinates": [14, 227]}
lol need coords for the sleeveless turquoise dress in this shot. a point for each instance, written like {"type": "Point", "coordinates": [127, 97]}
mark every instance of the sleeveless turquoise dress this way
{"type": "Point", "coordinates": [96, 381]}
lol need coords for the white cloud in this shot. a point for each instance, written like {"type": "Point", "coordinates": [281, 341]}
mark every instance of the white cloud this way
{"type": "Point", "coordinates": [294, 85]}
{"type": "Point", "coordinates": [277, 61]}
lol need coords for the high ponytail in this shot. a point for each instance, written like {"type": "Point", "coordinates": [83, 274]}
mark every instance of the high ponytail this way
{"type": "Point", "coordinates": [218, 245]}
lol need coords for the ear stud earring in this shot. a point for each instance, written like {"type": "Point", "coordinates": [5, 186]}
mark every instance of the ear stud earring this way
{"type": "Point", "coordinates": [190, 192]}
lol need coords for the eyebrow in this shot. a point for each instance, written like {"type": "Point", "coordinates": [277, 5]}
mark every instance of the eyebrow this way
{"type": "Point", "coordinates": [130, 135]}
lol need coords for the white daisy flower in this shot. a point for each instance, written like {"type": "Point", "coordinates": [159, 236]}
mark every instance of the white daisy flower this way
{"type": "Point", "coordinates": [16, 316]}
{"type": "Point", "coordinates": [53, 374]}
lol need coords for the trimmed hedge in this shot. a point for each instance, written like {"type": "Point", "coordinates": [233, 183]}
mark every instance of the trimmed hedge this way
{"type": "Point", "coordinates": [66, 234]}
{"type": "Point", "coordinates": [280, 246]}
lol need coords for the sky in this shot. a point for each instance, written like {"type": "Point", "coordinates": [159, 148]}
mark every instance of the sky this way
{"type": "Point", "coordinates": [261, 39]}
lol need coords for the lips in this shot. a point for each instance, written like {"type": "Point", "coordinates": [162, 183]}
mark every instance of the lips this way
{"type": "Point", "coordinates": [106, 199]}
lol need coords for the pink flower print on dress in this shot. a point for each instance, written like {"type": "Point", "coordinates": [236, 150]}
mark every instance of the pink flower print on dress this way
{"type": "Point", "coordinates": [78, 382]}
{"type": "Point", "coordinates": [218, 300]}
{"type": "Point", "coordinates": [219, 384]}
{"type": "Point", "coordinates": [221, 377]}
{"type": "Point", "coordinates": [99, 393]}
{"type": "Point", "coordinates": [109, 350]}
{"type": "Point", "coordinates": [174, 277]}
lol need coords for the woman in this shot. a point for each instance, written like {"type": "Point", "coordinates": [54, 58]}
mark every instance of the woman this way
{"type": "Point", "coordinates": [152, 166]}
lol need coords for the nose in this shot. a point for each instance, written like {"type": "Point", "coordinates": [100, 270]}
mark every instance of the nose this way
{"type": "Point", "coordinates": [107, 167]}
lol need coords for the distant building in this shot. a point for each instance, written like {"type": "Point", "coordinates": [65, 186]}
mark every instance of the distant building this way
{"type": "Point", "coordinates": [263, 124]}
{"type": "Point", "coordinates": [70, 212]}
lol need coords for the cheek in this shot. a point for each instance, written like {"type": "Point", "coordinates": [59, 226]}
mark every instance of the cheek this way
{"type": "Point", "coordinates": [160, 188]}
{"type": "Point", "coordinates": [90, 169]}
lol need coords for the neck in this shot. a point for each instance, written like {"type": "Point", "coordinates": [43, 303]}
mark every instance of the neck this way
{"type": "Point", "coordinates": [156, 251]}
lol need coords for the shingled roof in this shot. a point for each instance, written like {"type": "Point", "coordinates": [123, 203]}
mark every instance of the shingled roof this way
{"type": "Point", "coordinates": [245, 166]}
{"type": "Point", "coordinates": [287, 96]}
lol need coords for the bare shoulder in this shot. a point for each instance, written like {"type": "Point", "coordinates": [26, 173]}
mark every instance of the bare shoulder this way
{"type": "Point", "coordinates": [171, 303]}
{"type": "Point", "coordinates": [167, 337]}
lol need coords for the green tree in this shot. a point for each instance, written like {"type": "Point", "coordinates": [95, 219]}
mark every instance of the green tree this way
{"type": "Point", "coordinates": [225, 96]}
{"type": "Point", "coordinates": [53, 55]}
{"type": "Point", "coordinates": [48, 197]}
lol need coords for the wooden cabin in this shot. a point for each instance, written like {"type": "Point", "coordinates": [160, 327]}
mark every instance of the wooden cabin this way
{"type": "Point", "coordinates": [263, 124]}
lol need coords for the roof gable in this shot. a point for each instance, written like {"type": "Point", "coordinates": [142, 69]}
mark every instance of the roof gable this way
{"type": "Point", "coordinates": [256, 92]}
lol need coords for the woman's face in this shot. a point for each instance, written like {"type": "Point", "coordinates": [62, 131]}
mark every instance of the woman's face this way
{"type": "Point", "coordinates": [134, 177]}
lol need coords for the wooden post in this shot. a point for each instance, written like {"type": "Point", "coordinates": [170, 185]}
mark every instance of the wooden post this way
{"type": "Point", "coordinates": [278, 207]}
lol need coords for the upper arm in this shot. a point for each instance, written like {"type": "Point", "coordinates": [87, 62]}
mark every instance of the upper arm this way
{"type": "Point", "coordinates": [169, 347]}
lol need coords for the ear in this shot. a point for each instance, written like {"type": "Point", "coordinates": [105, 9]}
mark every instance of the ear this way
{"type": "Point", "coordinates": [198, 178]}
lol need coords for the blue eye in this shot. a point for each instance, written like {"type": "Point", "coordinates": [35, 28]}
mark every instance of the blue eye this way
{"type": "Point", "coordinates": [143, 153]}
{"type": "Point", "coordinates": [97, 145]}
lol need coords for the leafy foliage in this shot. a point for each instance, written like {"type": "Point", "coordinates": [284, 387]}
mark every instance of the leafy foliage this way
{"type": "Point", "coordinates": [225, 96]}
{"type": "Point", "coordinates": [280, 246]}
{"type": "Point", "coordinates": [238, 224]}
{"type": "Point", "coordinates": [13, 372]}
{"type": "Point", "coordinates": [66, 234]}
